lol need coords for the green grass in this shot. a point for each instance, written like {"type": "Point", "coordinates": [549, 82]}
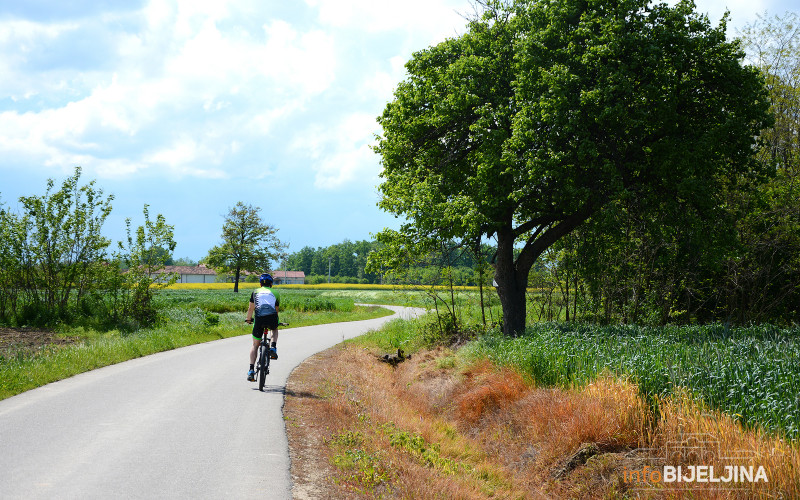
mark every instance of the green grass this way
{"type": "Point", "coordinates": [751, 373]}
{"type": "Point", "coordinates": [221, 301]}
{"type": "Point", "coordinates": [185, 318]}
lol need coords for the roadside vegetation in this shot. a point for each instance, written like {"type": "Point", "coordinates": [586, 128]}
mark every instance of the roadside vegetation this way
{"type": "Point", "coordinates": [535, 417]}
{"type": "Point", "coordinates": [183, 318]}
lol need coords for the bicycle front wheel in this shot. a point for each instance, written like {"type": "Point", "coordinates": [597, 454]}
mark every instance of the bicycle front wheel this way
{"type": "Point", "coordinates": [264, 362]}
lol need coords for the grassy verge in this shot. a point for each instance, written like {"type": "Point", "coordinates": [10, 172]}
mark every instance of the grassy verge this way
{"type": "Point", "coordinates": [452, 424]}
{"type": "Point", "coordinates": [185, 319]}
{"type": "Point", "coordinates": [748, 373]}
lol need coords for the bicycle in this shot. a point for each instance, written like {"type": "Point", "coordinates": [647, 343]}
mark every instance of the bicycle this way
{"type": "Point", "coordinates": [262, 358]}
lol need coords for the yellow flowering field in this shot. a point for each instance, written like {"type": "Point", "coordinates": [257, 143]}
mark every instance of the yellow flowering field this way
{"type": "Point", "coordinates": [209, 286]}
{"type": "Point", "coordinates": [321, 286]}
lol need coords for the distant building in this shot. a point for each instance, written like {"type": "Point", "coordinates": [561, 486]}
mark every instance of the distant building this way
{"type": "Point", "coordinates": [203, 274]}
{"type": "Point", "coordinates": [289, 277]}
{"type": "Point", "coordinates": [191, 274]}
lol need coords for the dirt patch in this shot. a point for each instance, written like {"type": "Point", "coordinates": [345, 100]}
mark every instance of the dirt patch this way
{"type": "Point", "coordinates": [313, 476]}
{"type": "Point", "coordinates": [14, 340]}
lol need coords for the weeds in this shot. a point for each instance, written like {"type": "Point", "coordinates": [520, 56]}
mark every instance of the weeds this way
{"type": "Point", "coordinates": [425, 453]}
{"type": "Point", "coordinates": [749, 373]}
{"type": "Point", "coordinates": [521, 436]}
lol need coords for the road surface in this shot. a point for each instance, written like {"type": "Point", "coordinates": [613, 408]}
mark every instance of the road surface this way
{"type": "Point", "coordinates": [178, 424]}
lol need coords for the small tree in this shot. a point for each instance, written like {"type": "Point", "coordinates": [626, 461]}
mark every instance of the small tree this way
{"type": "Point", "coordinates": [248, 243]}
{"type": "Point", "coordinates": [134, 272]}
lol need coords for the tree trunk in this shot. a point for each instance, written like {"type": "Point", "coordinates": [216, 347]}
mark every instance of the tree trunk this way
{"type": "Point", "coordinates": [511, 285]}
{"type": "Point", "coordinates": [236, 280]}
{"type": "Point", "coordinates": [512, 275]}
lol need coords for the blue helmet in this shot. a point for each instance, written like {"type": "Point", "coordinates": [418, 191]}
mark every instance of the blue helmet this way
{"type": "Point", "coordinates": [265, 279]}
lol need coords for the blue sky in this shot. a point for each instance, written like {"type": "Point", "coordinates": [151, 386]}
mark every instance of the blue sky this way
{"type": "Point", "coordinates": [191, 106]}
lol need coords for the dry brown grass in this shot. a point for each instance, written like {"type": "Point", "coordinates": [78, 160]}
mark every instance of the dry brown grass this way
{"type": "Point", "coordinates": [684, 420]}
{"type": "Point", "coordinates": [487, 391]}
{"type": "Point", "coordinates": [359, 428]}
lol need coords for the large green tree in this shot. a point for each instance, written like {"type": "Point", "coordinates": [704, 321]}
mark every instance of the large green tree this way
{"type": "Point", "coordinates": [546, 111]}
{"type": "Point", "coordinates": [248, 243]}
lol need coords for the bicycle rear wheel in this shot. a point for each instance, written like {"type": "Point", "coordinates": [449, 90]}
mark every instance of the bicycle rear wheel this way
{"type": "Point", "coordinates": [264, 363]}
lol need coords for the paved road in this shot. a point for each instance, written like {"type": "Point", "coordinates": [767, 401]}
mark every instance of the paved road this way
{"type": "Point", "coordinates": [179, 424]}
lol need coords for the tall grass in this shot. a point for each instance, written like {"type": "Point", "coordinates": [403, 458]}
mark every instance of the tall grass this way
{"type": "Point", "coordinates": [222, 301]}
{"type": "Point", "coordinates": [22, 372]}
{"type": "Point", "coordinates": [749, 373]}
{"type": "Point", "coordinates": [185, 317]}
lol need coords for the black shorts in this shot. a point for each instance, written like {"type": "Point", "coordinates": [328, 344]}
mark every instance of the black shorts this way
{"type": "Point", "coordinates": [261, 323]}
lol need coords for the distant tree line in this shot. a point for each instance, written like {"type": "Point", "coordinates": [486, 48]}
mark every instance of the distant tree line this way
{"type": "Point", "coordinates": [346, 262]}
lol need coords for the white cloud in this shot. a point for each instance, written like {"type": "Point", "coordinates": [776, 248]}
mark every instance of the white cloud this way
{"type": "Point", "coordinates": [343, 167]}
{"type": "Point", "coordinates": [180, 73]}
{"type": "Point", "coordinates": [304, 61]}
{"type": "Point", "coordinates": [382, 84]}
{"type": "Point", "coordinates": [187, 157]}
{"type": "Point", "coordinates": [340, 154]}
{"type": "Point", "coordinates": [433, 18]}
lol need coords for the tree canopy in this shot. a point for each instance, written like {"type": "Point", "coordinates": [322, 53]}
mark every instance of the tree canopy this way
{"type": "Point", "coordinates": [546, 111]}
{"type": "Point", "coordinates": [248, 243]}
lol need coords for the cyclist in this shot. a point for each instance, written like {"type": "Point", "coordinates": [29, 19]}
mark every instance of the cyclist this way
{"type": "Point", "coordinates": [265, 303]}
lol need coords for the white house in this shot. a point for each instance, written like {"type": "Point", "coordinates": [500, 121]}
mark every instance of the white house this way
{"type": "Point", "coordinates": [289, 277]}
{"type": "Point", "coordinates": [203, 274]}
{"type": "Point", "coordinates": [191, 274]}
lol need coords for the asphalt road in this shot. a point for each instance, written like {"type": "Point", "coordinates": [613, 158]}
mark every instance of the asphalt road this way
{"type": "Point", "coordinates": [179, 424]}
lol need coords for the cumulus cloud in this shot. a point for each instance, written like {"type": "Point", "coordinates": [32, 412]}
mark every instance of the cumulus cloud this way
{"type": "Point", "coordinates": [341, 153]}
{"type": "Point", "coordinates": [174, 70]}
{"type": "Point", "coordinates": [135, 89]}
{"type": "Point", "coordinates": [434, 19]}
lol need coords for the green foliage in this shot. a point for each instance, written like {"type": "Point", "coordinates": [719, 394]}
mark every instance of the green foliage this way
{"type": "Point", "coordinates": [211, 319]}
{"type": "Point", "coordinates": [733, 259]}
{"type": "Point", "coordinates": [750, 373]}
{"type": "Point", "coordinates": [544, 113]}
{"type": "Point", "coordinates": [221, 301]}
{"type": "Point", "coordinates": [131, 291]}
{"type": "Point", "coordinates": [428, 454]}
{"type": "Point", "coordinates": [183, 261]}
{"type": "Point", "coordinates": [55, 267]}
{"type": "Point", "coordinates": [764, 278]}
{"type": "Point", "coordinates": [366, 470]}
{"type": "Point", "coordinates": [248, 244]}
{"type": "Point", "coordinates": [51, 254]}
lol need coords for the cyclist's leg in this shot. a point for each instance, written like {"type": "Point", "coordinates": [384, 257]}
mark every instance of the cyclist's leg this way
{"type": "Point", "coordinates": [271, 323]}
{"type": "Point", "coordinates": [258, 331]}
{"type": "Point", "coordinates": [275, 336]}
{"type": "Point", "coordinates": [254, 351]}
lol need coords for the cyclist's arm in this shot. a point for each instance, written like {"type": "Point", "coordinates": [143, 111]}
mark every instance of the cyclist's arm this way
{"type": "Point", "coordinates": [250, 310]}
